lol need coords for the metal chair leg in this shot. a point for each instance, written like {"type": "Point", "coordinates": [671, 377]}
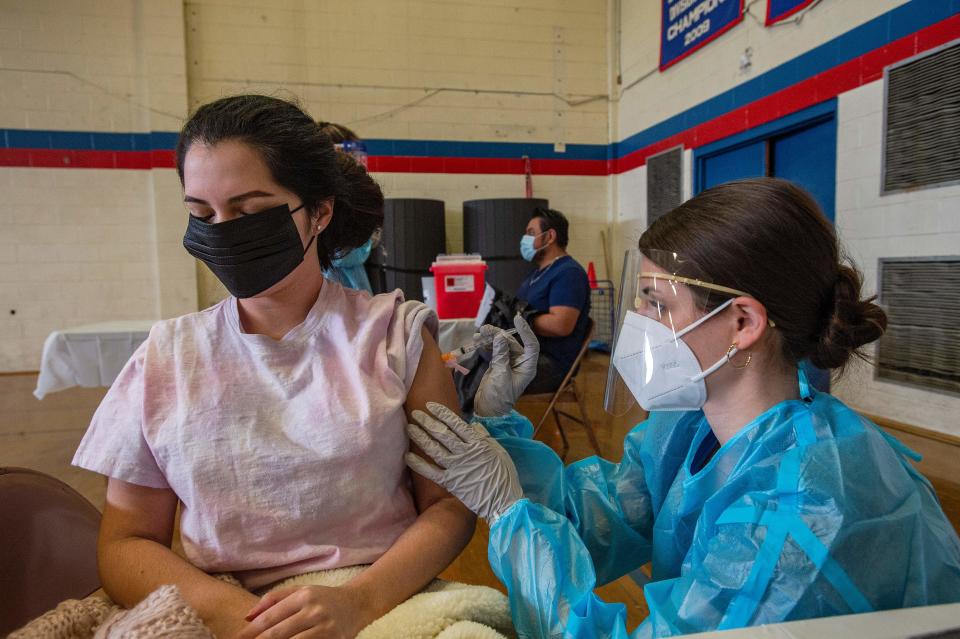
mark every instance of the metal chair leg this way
{"type": "Point", "coordinates": [550, 408]}
{"type": "Point", "coordinates": [563, 436]}
{"type": "Point", "coordinates": [587, 424]}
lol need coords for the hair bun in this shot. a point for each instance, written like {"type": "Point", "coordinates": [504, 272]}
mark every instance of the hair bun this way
{"type": "Point", "coordinates": [853, 323]}
{"type": "Point", "coordinates": [357, 209]}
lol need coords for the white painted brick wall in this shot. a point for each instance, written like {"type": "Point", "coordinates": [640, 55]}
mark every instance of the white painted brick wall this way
{"type": "Point", "coordinates": [873, 226]}
{"type": "Point", "coordinates": [83, 245]}
{"type": "Point", "coordinates": [518, 52]}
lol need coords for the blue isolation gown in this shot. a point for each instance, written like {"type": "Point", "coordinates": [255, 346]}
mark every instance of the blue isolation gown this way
{"type": "Point", "coordinates": [348, 270]}
{"type": "Point", "coordinates": [809, 511]}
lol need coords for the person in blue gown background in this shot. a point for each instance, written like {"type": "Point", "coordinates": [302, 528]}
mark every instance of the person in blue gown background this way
{"type": "Point", "coordinates": [348, 270]}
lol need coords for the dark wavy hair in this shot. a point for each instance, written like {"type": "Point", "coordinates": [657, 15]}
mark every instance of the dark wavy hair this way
{"type": "Point", "coordinates": [301, 158]}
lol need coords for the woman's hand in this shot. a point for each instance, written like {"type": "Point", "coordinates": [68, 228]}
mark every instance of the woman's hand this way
{"type": "Point", "coordinates": [308, 611]}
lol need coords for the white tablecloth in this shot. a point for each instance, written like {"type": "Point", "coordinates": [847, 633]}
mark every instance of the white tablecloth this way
{"type": "Point", "coordinates": [88, 356]}
{"type": "Point", "coordinates": [455, 333]}
{"type": "Point", "coordinates": [93, 355]}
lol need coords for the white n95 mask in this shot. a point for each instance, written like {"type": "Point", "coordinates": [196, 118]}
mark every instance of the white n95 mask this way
{"type": "Point", "coordinates": [658, 367]}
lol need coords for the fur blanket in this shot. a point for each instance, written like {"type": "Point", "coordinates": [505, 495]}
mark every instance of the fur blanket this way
{"type": "Point", "coordinates": [443, 610]}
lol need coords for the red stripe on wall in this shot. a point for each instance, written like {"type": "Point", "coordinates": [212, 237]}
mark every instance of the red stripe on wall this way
{"type": "Point", "coordinates": [14, 157]}
{"type": "Point", "coordinates": [134, 160]}
{"type": "Point", "coordinates": [570, 167]}
{"type": "Point", "coordinates": [70, 159]}
{"type": "Point", "coordinates": [504, 166]}
{"type": "Point", "coordinates": [163, 159]}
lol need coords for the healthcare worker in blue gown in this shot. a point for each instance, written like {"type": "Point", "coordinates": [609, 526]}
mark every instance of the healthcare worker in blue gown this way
{"type": "Point", "coordinates": [755, 498]}
{"type": "Point", "coordinates": [348, 269]}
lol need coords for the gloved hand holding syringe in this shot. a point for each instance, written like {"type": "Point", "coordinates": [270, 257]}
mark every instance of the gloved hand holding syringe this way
{"type": "Point", "coordinates": [512, 365]}
{"type": "Point", "coordinates": [479, 342]}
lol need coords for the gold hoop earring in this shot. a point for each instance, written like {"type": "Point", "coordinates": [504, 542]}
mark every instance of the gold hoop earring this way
{"type": "Point", "coordinates": [742, 366]}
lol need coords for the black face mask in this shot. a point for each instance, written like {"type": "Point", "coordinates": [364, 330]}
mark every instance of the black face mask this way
{"type": "Point", "coordinates": [251, 253]}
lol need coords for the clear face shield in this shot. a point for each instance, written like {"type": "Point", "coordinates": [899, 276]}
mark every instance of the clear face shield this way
{"type": "Point", "coordinates": [663, 296]}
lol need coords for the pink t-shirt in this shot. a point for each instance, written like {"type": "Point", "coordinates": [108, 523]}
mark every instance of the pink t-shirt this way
{"type": "Point", "coordinates": [286, 455]}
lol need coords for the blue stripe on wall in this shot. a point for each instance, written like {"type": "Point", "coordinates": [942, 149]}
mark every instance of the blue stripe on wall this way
{"type": "Point", "coordinates": [165, 141]}
{"type": "Point", "coordinates": [88, 140]}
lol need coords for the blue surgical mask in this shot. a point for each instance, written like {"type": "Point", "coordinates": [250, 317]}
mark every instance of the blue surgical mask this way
{"type": "Point", "coordinates": [527, 251]}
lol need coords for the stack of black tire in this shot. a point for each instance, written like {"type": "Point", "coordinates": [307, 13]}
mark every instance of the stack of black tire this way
{"type": "Point", "coordinates": [414, 233]}
{"type": "Point", "coordinates": [493, 229]}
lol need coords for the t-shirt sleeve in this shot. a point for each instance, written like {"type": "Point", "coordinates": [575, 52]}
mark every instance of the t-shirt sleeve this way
{"type": "Point", "coordinates": [570, 288]}
{"type": "Point", "coordinates": [405, 338]}
{"type": "Point", "coordinates": [114, 444]}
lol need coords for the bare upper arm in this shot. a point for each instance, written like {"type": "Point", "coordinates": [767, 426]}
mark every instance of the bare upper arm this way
{"type": "Point", "coordinates": [138, 511]}
{"type": "Point", "coordinates": [567, 317]}
{"type": "Point", "coordinates": [432, 383]}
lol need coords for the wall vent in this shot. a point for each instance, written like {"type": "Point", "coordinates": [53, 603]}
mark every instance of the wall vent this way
{"type": "Point", "coordinates": [922, 121]}
{"type": "Point", "coordinates": [664, 183]}
{"type": "Point", "coordinates": [922, 344]}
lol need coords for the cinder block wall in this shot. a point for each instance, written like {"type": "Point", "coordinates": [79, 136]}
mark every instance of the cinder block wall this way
{"type": "Point", "coordinates": [82, 245]}
{"type": "Point", "coordinates": [925, 222]}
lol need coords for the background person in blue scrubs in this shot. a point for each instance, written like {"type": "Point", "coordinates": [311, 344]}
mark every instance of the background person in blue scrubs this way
{"type": "Point", "coordinates": [560, 290]}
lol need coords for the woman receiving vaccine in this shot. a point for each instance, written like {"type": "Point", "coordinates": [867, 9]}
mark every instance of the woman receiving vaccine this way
{"type": "Point", "coordinates": [274, 420]}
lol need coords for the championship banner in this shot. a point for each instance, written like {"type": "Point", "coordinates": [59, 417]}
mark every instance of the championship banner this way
{"type": "Point", "coordinates": [687, 25]}
{"type": "Point", "coordinates": [778, 10]}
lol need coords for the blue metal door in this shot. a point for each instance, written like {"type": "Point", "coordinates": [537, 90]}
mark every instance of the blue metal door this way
{"type": "Point", "coordinates": [801, 147]}
{"type": "Point", "coordinates": [808, 156]}
{"type": "Point", "coordinates": [743, 161]}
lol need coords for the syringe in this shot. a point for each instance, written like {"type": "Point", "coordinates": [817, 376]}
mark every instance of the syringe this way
{"type": "Point", "coordinates": [481, 342]}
